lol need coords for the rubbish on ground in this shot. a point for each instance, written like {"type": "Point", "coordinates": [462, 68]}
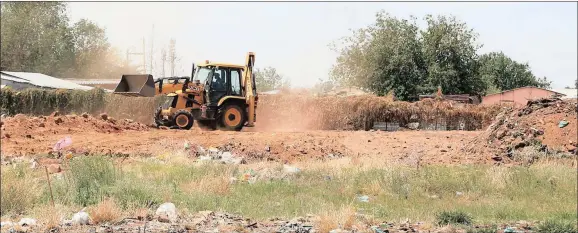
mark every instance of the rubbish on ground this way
{"type": "Point", "coordinates": [186, 146]}
{"type": "Point", "coordinates": [62, 143]}
{"type": "Point", "coordinates": [6, 224]}
{"type": "Point", "coordinates": [363, 198]}
{"type": "Point", "coordinates": [459, 194]}
{"type": "Point", "coordinates": [27, 222]}
{"type": "Point", "coordinates": [290, 169]}
{"type": "Point", "coordinates": [563, 123]}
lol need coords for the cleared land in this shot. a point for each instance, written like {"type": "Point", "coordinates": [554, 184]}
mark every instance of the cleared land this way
{"type": "Point", "coordinates": [518, 173]}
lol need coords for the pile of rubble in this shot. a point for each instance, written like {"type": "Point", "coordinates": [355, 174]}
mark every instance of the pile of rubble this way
{"type": "Point", "coordinates": [548, 125]}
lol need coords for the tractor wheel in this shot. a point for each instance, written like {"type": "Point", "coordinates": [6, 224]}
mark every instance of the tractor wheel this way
{"type": "Point", "coordinates": [183, 119]}
{"type": "Point", "coordinates": [158, 119]}
{"type": "Point", "coordinates": [232, 118]}
{"type": "Point", "coordinates": [207, 125]}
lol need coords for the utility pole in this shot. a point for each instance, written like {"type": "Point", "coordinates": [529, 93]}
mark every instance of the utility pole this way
{"type": "Point", "coordinates": [172, 56]}
{"type": "Point", "coordinates": [151, 55]}
{"type": "Point", "coordinates": [144, 61]}
{"type": "Point", "coordinates": [163, 58]}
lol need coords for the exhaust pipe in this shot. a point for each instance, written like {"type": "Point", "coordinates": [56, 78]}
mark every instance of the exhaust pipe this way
{"type": "Point", "coordinates": [138, 85]}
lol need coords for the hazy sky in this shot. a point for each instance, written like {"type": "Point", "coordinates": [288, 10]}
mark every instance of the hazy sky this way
{"type": "Point", "coordinates": [294, 37]}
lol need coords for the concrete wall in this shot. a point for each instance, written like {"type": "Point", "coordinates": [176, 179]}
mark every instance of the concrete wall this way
{"type": "Point", "coordinates": [516, 97]}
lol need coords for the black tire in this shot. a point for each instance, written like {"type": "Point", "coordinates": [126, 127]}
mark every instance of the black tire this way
{"type": "Point", "coordinates": [232, 118]}
{"type": "Point", "coordinates": [207, 125]}
{"type": "Point", "coordinates": [183, 119]}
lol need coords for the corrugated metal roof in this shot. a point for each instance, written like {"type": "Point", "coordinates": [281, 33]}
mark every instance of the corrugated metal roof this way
{"type": "Point", "coordinates": [12, 78]}
{"type": "Point", "coordinates": [43, 80]}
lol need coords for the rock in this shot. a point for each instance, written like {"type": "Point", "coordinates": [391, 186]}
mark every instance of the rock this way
{"type": "Point", "coordinates": [442, 150]}
{"type": "Point", "coordinates": [104, 116]}
{"type": "Point", "coordinates": [27, 222]}
{"type": "Point", "coordinates": [85, 115]}
{"type": "Point", "coordinates": [570, 148]}
{"type": "Point", "coordinates": [53, 168]}
{"type": "Point", "coordinates": [164, 218]}
{"type": "Point", "coordinates": [55, 114]}
{"type": "Point", "coordinates": [268, 148]}
{"type": "Point", "coordinates": [169, 210]}
{"type": "Point", "coordinates": [41, 124]}
{"type": "Point", "coordinates": [6, 135]}
{"type": "Point", "coordinates": [58, 120]}
{"type": "Point", "coordinates": [497, 158]}
{"type": "Point", "coordinates": [80, 218]}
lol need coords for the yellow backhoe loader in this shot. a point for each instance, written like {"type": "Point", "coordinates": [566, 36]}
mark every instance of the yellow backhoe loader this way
{"type": "Point", "coordinates": [217, 95]}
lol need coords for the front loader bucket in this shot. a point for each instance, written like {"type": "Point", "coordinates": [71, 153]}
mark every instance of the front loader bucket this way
{"type": "Point", "coordinates": [136, 85]}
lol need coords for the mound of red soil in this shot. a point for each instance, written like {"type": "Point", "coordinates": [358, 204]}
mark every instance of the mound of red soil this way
{"type": "Point", "coordinates": [538, 124]}
{"type": "Point", "coordinates": [30, 127]}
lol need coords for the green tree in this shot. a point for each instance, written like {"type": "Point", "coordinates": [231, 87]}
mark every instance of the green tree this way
{"type": "Point", "coordinates": [268, 79]}
{"type": "Point", "coordinates": [35, 37]}
{"type": "Point", "coordinates": [382, 57]}
{"type": "Point", "coordinates": [449, 48]}
{"type": "Point", "coordinates": [394, 55]}
{"type": "Point", "coordinates": [502, 73]}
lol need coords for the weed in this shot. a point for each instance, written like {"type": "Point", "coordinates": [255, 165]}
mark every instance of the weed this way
{"type": "Point", "coordinates": [556, 226]}
{"type": "Point", "coordinates": [453, 217]}
{"type": "Point", "coordinates": [105, 212]}
{"type": "Point", "coordinates": [19, 191]}
{"type": "Point", "coordinates": [90, 177]}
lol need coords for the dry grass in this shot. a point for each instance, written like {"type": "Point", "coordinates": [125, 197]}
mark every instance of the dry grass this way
{"type": "Point", "coordinates": [20, 189]}
{"type": "Point", "coordinates": [105, 212]}
{"type": "Point", "coordinates": [344, 218]}
{"type": "Point", "coordinates": [219, 185]}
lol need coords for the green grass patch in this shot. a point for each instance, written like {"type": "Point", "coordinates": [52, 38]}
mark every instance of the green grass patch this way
{"type": "Point", "coordinates": [437, 194]}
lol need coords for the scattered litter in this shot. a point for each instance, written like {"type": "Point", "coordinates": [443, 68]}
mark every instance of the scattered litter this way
{"type": "Point", "coordinates": [186, 146]}
{"type": "Point", "coordinates": [62, 143]}
{"type": "Point", "coordinates": [290, 169]}
{"type": "Point", "coordinates": [459, 194]}
{"type": "Point", "coordinates": [563, 123]}
{"type": "Point", "coordinates": [363, 198]}
{"type": "Point", "coordinates": [6, 224]}
{"type": "Point", "coordinates": [27, 222]}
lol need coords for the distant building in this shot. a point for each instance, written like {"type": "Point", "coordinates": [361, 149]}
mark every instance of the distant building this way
{"type": "Point", "coordinates": [519, 96]}
{"type": "Point", "coordinates": [23, 80]}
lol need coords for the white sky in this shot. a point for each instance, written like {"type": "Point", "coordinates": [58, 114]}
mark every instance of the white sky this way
{"type": "Point", "coordinates": [294, 37]}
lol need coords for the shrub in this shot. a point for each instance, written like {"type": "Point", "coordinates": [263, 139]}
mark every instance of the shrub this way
{"type": "Point", "coordinates": [453, 217]}
{"type": "Point", "coordinates": [19, 191]}
{"type": "Point", "coordinates": [553, 226]}
{"type": "Point", "coordinates": [90, 176]}
{"type": "Point", "coordinates": [43, 102]}
{"type": "Point", "coordinates": [105, 212]}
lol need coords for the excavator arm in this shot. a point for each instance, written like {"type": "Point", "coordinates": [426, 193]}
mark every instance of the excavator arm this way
{"type": "Point", "coordinates": [250, 89]}
{"type": "Point", "coordinates": [143, 85]}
